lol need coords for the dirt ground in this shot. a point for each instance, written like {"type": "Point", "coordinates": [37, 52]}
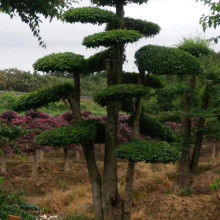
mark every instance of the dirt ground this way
{"type": "Point", "coordinates": [66, 193]}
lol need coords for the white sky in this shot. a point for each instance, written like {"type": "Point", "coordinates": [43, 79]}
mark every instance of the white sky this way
{"type": "Point", "coordinates": [177, 19]}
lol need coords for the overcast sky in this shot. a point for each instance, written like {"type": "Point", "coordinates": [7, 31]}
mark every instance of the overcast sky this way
{"type": "Point", "coordinates": [177, 19]}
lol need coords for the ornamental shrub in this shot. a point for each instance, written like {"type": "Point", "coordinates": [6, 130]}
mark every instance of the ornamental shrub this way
{"type": "Point", "coordinates": [119, 93]}
{"type": "Point", "coordinates": [148, 151]}
{"type": "Point", "coordinates": [42, 97]}
{"type": "Point", "coordinates": [63, 62]}
{"type": "Point", "coordinates": [165, 60]}
{"type": "Point", "coordinates": [80, 133]}
{"type": "Point", "coordinates": [90, 15]}
{"type": "Point", "coordinates": [110, 38]}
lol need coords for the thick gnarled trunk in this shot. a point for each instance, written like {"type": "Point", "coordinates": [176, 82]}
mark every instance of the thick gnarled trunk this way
{"type": "Point", "coordinates": [3, 163]}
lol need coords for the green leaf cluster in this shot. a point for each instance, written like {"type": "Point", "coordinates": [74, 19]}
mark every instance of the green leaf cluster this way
{"type": "Point", "coordinates": [61, 62]}
{"type": "Point", "coordinates": [42, 97]}
{"type": "Point", "coordinates": [110, 38]}
{"type": "Point", "coordinates": [96, 62]}
{"type": "Point", "coordinates": [155, 129]}
{"type": "Point", "coordinates": [90, 15]}
{"type": "Point", "coordinates": [148, 151]}
{"type": "Point", "coordinates": [165, 60]}
{"type": "Point", "coordinates": [196, 47]}
{"type": "Point", "coordinates": [80, 133]}
{"type": "Point", "coordinates": [119, 93]}
{"type": "Point", "coordinates": [149, 80]}
{"type": "Point", "coordinates": [9, 133]}
{"type": "Point", "coordinates": [117, 2]}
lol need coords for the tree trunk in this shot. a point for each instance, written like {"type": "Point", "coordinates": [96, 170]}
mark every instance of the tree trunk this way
{"type": "Point", "coordinates": [66, 159]}
{"type": "Point", "coordinates": [77, 87]}
{"type": "Point", "coordinates": [214, 152]}
{"type": "Point", "coordinates": [3, 163]}
{"type": "Point", "coordinates": [75, 107]}
{"type": "Point", "coordinates": [111, 198]}
{"type": "Point", "coordinates": [95, 180]}
{"type": "Point", "coordinates": [34, 164]}
{"type": "Point", "coordinates": [41, 155]}
{"type": "Point", "coordinates": [200, 133]}
{"type": "Point", "coordinates": [129, 191]}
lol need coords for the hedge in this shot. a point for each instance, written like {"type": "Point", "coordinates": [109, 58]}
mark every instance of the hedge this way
{"type": "Point", "coordinates": [80, 133]}
{"type": "Point", "coordinates": [61, 62]}
{"type": "Point", "coordinates": [120, 92]}
{"type": "Point", "coordinates": [90, 15]}
{"type": "Point", "coordinates": [165, 60]}
{"type": "Point", "coordinates": [110, 38]}
{"type": "Point", "coordinates": [148, 151]}
{"type": "Point", "coordinates": [42, 97]}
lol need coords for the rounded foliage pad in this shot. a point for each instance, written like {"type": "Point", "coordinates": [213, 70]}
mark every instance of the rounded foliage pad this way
{"type": "Point", "coordinates": [80, 133]}
{"type": "Point", "coordinates": [148, 29]}
{"type": "Point", "coordinates": [115, 2]}
{"type": "Point", "coordinates": [197, 48]}
{"type": "Point", "coordinates": [165, 60]}
{"type": "Point", "coordinates": [61, 62]}
{"type": "Point", "coordinates": [44, 96]}
{"type": "Point", "coordinates": [155, 129]}
{"type": "Point", "coordinates": [148, 151]}
{"type": "Point", "coordinates": [90, 15]}
{"type": "Point", "coordinates": [9, 133]}
{"type": "Point", "coordinates": [110, 38]}
{"type": "Point", "coordinates": [120, 92]}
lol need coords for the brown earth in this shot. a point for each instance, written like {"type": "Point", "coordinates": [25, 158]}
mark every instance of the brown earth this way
{"type": "Point", "coordinates": [67, 193]}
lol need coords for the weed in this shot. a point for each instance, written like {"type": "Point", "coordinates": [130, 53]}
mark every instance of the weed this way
{"type": "Point", "coordinates": [188, 191]}
{"type": "Point", "coordinates": [215, 186]}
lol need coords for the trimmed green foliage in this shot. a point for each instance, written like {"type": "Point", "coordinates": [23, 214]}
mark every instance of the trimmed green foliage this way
{"type": "Point", "coordinates": [149, 80]}
{"type": "Point", "coordinates": [90, 15]}
{"type": "Point", "coordinates": [61, 62]}
{"type": "Point", "coordinates": [148, 151]}
{"type": "Point", "coordinates": [42, 97]}
{"type": "Point", "coordinates": [119, 93]}
{"type": "Point", "coordinates": [110, 38]}
{"type": "Point", "coordinates": [148, 29]}
{"type": "Point", "coordinates": [196, 47]}
{"type": "Point", "coordinates": [9, 133]}
{"type": "Point", "coordinates": [165, 60]}
{"type": "Point", "coordinates": [96, 62]}
{"type": "Point", "coordinates": [80, 133]}
{"type": "Point", "coordinates": [115, 2]}
{"type": "Point", "coordinates": [155, 129]}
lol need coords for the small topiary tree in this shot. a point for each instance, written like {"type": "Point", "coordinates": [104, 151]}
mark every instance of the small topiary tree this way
{"type": "Point", "coordinates": [8, 135]}
{"type": "Point", "coordinates": [166, 61]}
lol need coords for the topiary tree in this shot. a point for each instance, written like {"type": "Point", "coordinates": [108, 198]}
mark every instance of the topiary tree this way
{"type": "Point", "coordinates": [166, 61]}
{"type": "Point", "coordinates": [119, 32]}
{"type": "Point", "coordinates": [8, 135]}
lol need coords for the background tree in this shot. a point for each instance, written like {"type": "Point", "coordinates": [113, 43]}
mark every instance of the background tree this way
{"type": "Point", "coordinates": [30, 12]}
{"type": "Point", "coordinates": [212, 20]}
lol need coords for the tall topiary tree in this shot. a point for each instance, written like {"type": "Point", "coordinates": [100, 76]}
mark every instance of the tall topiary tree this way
{"type": "Point", "coordinates": [120, 31]}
